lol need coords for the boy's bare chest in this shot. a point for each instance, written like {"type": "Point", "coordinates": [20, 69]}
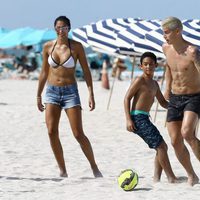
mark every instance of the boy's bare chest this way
{"type": "Point", "coordinates": [149, 88]}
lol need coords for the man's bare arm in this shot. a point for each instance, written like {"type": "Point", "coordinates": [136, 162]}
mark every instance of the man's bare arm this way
{"type": "Point", "coordinates": [195, 56]}
{"type": "Point", "coordinates": [168, 79]}
{"type": "Point", "coordinates": [197, 60]}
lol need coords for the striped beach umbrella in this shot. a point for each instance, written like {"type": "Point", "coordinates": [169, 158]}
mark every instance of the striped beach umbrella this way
{"type": "Point", "coordinates": [118, 24]}
{"type": "Point", "coordinates": [80, 35]}
{"type": "Point", "coordinates": [191, 33]}
{"type": "Point", "coordinates": [127, 51]}
{"type": "Point", "coordinates": [155, 39]}
{"type": "Point", "coordinates": [101, 38]}
{"type": "Point", "coordinates": [102, 35]}
{"type": "Point", "coordinates": [134, 36]}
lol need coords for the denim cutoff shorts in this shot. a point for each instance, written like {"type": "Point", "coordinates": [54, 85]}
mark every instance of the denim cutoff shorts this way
{"type": "Point", "coordinates": [63, 96]}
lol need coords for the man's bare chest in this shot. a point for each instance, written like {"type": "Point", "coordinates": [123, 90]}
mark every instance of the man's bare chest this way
{"type": "Point", "coordinates": [179, 63]}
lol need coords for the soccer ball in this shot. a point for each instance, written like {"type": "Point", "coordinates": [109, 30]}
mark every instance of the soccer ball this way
{"type": "Point", "coordinates": [128, 180]}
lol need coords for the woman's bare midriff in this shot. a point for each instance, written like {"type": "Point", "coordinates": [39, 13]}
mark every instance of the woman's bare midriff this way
{"type": "Point", "coordinates": [61, 77]}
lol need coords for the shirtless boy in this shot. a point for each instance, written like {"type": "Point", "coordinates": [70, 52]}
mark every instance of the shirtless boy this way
{"type": "Point", "coordinates": [144, 89]}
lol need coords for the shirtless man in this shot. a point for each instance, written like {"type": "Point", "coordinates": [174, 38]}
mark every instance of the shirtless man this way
{"type": "Point", "coordinates": [183, 90]}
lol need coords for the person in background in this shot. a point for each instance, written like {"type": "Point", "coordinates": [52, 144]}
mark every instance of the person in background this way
{"type": "Point", "coordinates": [118, 67]}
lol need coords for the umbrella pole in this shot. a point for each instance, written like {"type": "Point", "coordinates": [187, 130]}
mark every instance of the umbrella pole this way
{"type": "Point", "coordinates": [111, 91]}
{"type": "Point", "coordinates": [133, 67]}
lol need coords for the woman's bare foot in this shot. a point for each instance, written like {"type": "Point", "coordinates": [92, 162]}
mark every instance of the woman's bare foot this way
{"type": "Point", "coordinates": [173, 180]}
{"type": "Point", "coordinates": [156, 179]}
{"type": "Point", "coordinates": [192, 180]}
{"type": "Point", "coordinates": [63, 174]}
{"type": "Point", "coordinates": [96, 172]}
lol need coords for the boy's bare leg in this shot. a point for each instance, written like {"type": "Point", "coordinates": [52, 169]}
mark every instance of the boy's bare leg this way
{"type": "Point", "coordinates": [164, 162]}
{"type": "Point", "coordinates": [157, 169]}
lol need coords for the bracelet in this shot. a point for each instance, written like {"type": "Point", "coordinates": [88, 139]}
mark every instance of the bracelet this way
{"type": "Point", "coordinates": [39, 97]}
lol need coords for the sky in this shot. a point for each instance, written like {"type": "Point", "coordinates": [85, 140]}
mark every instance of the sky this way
{"type": "Point", "coordinates": [42, 13]}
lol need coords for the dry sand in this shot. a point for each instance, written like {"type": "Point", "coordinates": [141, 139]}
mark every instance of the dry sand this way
{"type": "Point", "coordinates": [28, 169]}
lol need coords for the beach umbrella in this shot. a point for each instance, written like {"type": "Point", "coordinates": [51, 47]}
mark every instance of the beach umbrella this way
{"type": "Point", "coordinates": [38, 36]}
{"type": "Point", "coordinates": [127, 51]}
{"type": "Point", "coordinates": [155, 39]}
{"type": "Point", "coordinates": [3, 31]}
{"type": "Point", "coordinates": [191, 33]}
{"type": "Point", "coordinates": [101, 38]}
{"type": "Point", "coordinates": [14, 37]}
{"type": "Point", "coordinates": [102, 34]}
{"type": "Point", "coordinates": [80, 35]}
{"type": "Point", "coordinates": [134, 36]}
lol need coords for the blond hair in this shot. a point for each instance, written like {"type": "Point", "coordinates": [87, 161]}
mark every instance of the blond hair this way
{"type": "Point", "coordinates": [172, 23]}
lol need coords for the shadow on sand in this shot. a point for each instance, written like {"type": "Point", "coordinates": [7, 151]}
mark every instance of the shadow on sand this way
{"type": "Point", "coordinates": [32, 179]}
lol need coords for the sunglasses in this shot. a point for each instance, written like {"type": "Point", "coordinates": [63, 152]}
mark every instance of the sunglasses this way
{"type": "Point", "coordinates": [62, 28]}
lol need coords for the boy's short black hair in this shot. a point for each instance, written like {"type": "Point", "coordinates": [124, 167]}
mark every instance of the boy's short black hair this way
{"type": "Point", "coordinates": [148, 54]}
{"type": "Point", "coordinates": [63, 19]}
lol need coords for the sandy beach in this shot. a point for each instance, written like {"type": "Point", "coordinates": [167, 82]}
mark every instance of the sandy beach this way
{"type": "Point", "coordinates": [29, 171]}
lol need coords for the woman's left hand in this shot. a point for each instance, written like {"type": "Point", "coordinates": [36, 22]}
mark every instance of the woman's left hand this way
{"type": "Point", "coordinates": [91, 102]}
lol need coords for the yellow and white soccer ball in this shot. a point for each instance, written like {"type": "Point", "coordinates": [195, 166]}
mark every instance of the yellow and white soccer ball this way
{"type": "Point", "coordinates": [128, 180]}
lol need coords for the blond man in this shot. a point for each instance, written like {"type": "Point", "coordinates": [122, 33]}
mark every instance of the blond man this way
{"type": "Point", "coordinates": [183, 91]}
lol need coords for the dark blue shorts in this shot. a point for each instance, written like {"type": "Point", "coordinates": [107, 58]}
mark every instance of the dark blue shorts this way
{"type": "Point", "coordinates": [146, 130]}
{"type": "Point", "coordinates": [63, 96]}
{"type": "Point", "coordinates": [180, 103]}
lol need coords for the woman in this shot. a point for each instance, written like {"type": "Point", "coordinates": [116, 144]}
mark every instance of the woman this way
{"type": "Point", "coordinates": [59, 60]}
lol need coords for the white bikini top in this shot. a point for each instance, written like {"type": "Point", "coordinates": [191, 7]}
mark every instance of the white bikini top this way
{"type": "Point", "coordinates": [69, 63]}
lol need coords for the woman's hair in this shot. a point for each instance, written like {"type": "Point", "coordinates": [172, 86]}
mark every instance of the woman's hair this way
{"type": "Point", "coordinates": [149, 55]}
{"type": "Point", "coordinates": [172, 23]}
{"type": "Point", "coordinates": [63, 19]}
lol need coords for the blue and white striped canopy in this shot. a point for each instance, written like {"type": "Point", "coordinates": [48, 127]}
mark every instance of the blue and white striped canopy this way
{"type": "Point", "coordinates": [102, 35]}
{"type": "Point", "coordinates": [131, 35]}
{"type": "Point", "coordinates": [134, 36]}
{"type": "Point", "coordinates": [127, 51]}
{"type": "Point", "coordinates": [80, 35]}
{"type": "Point", "coordinates": [155, 39]}
{"type": "Point", "coordinates": [191, 33]}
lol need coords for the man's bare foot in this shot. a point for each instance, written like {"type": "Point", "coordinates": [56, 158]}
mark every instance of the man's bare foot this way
{"type": "Point", "coordinates": [96, 172]}
{"type": "Point", "coordinates": [192, 180]}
